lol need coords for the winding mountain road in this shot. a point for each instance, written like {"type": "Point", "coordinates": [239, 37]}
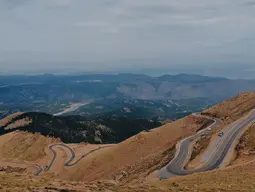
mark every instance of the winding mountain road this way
{"type": "Point", "coordinates": [212, 158]}
{"type": "Point", "coordinates": [37, 166]}
{"type": "Point", "coordinates": [68, 163]}
{"type": "Point", "coordinates": [71, 155]}
{"type": "Point", "coordinates": [215, 153]}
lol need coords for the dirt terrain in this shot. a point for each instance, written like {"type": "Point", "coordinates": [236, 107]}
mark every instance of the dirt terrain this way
{"type": "Point", "coordinates": [234, 179]}
{"type": "Point", "coordinates": [198, 149]}
{"type": "Point", "coordinates": [137, 156]}
{"type": "Point", "coordinates": [229, 111]}
{"type": "Point", "coordinates": [239, 178]}
{"type": "Point", "coordinates": [234, 108]}
{"type": "Point", "coordinates": [22, 150]}
{"type": "Point", "coordinates": [124, 167]}
{"type": "Point", "coordinates": [130, 160]}
{"type": "Point", "coordinates": [142, 154]}
{"type": "Point", "coordinates": [245, 150]}
{"type": "Point", "coordinates": [24, 146]}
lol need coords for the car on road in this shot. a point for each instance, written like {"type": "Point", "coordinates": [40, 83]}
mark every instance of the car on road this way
{"type": "Point", "coordinates": [220, 134]}
{"type": "Point", "coordinates": [209, 129]}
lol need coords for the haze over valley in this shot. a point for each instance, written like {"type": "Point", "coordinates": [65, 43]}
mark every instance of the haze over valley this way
{"type": "Point", "coordinates": [166, 97]}
{"type": "Point", "coordinates": [127, 96]}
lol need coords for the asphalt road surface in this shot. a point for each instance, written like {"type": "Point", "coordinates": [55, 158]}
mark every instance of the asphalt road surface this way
{"type": "Point", "coordinates": [38, 167]}
{"type": "Point", "coordinates": [215, 153]}
{"type": "Point", "coordinates": [71, 155]}
{"type": "Point", "coordinates": [68, 163]}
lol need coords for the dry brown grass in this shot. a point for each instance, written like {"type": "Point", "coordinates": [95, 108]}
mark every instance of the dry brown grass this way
{"type": "Point", "coordinates": [5, 120]}
{"type": "Point", "coordinates": [249, 139]}
{"type": "Point", "coordinates": [137, 156]}
{"type": "Point", "coordinates": [18, 123]}
{"type": "Point", "coordinates": [198, 149]}
{"type": "Point", "coordinates": [245, 150]}
{"type": "Point", "coordinates": [17, 182]}
{"type": "Point", "coordinates": [140, 155]}
{"type": "Point", "coordinates": [232, 179]}
{"type": "Point", "coordinates": [234, 108]}
{"type": "Point", "coordinates": [229, 111]}
{"type": "Point", "coordinates": [24, 146]}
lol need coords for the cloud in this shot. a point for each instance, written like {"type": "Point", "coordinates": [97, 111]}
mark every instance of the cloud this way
{"type": "Point", "coordinates": [162, 33]}
{"type": "Point", "coordinates": [89, 24]}
{"type": "Point", "coordinates": [62, 2]}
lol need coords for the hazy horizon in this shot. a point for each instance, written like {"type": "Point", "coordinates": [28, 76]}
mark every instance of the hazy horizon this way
{"type": "Point", "coordinates": [148, 73]}
{"type": "Point", "coordinates": [214, 38]}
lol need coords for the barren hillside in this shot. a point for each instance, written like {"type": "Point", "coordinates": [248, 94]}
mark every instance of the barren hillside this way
{"type": "Point", "coordinates": [140, 155]}
{"type": "Point", "coordinates": [24, 146]}
{"type": "Point", "coordinates": [137, 156]}
{"type": "Point", "coordinates": [234, 179]}
{"type": "Point", "coordinates": [239, 178]}
{"type": "Point", "coordinates": [233, 108]}
{"type": "Point", "coordinates": [245, 150]}
{"type": "Point", "coordinates": [228, 111]}
{"type": "Point", "coordinates": [125, 166]}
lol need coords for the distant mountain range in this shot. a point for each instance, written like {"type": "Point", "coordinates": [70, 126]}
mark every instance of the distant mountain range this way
{"type": "Point", "coordinates": [53, 93]}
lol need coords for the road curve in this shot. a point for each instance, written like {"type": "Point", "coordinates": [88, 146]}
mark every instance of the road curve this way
{"type": "Point", "coordinates": [218, 151]}
{"type": "Point", "coordinates": [71, 155]}
{"type": "Point", "coordinates": [68, 163]}
{"type": "Point", "coordinates": [38, 167]}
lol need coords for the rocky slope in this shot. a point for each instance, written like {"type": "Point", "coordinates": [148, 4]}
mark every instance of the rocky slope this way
{"type": "Point", "coordinates": [245, 150]}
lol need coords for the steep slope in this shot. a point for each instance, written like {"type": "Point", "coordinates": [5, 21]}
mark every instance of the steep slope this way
{"type": "Point", "coordinates": [76, 129]}
{"type": "Point", "coordinates": [24, 152]}
{"type": "Point", "coordinates": [245, 150]}
{"type": "Point", "coordinates": [239, 178]}
{"type": "Point", "coordinates": [233, 108]}
{"type": "Point", "coordinates": [137, 156]}
{"type": "Point", "coordinates": [234, 179]}
{"type": "Point", "coordinates": [142, 154]}
{"type": "Point", "coordinates": [5, 120]}
{"type": "Point", "coordinates": [24, 146]}
{"type": "Point", "coordinates": [229, 111]}
{"type": "Point", "coordinates": [124, 166]}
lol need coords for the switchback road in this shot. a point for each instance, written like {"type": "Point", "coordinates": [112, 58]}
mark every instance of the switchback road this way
{"type": "Point", "coordinates": [38, 167]}
{"type": "Point", "coordinates": [215, 153]}
{"type": "Point", "coordinates": [71, 157]}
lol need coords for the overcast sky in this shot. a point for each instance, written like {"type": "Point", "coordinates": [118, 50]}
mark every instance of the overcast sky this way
{"type": "Point", "coordinates": [215, 37]}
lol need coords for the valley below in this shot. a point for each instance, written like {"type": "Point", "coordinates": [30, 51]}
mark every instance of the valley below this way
{"type": "Point", "coordinates": [131, 165]}
{"type": "Point", "coordinates": [112, 139]}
